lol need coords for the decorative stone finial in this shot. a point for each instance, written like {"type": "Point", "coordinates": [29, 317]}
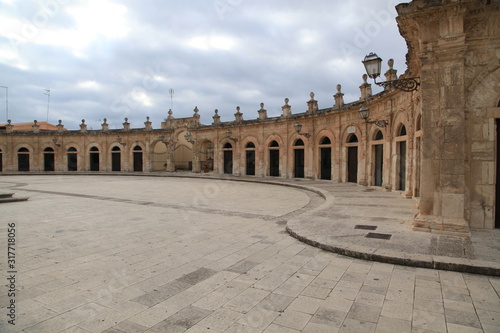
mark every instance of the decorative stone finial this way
{"type": "Point", "coordinates": [83, 121]}
{"type": "Point", "coordinates": [196, 109]}
{"type": "Point", "coordinates": [390, 63]}
{"type": "Point", "coordinates": [216, 117]}
{"type": "Point", "coordinates": [262, 112]}
{"type": "Point", "coordinates": [312, 105]}
{"type": "Point", "coordinates": [339, 98]}
{"type": "Point", "coordinates": [216, 111]}
{"type": "Point", "coordinates": [365, 78]}
{"type": "Point", "coordinates": [147, 118]}
{"type": "Point", "coordinates": [60, 122]}
{"type": "Point", "coordinates": [9, 121]}
{"type": "Point", "coordinates": [104, 120]}
{"type": "Point", "coordinates": [261, 105]}
{"type": "Point", "coordinates": [35, 121]}
{"type": "Point", "coordinates": [238, 109]}
{"type": "Point", "coordinates": [286, 101]}
{"type": "Point", "coordinates": [126, 119]}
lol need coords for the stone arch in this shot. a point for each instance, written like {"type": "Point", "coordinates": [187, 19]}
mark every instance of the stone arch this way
{"type": "Point", "coordinates": [351, 129]}
{"type": "Point", "coordinates": [251, 157]}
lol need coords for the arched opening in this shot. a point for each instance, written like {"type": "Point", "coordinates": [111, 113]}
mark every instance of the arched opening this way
{"type": "Point", "coordinates": [137, 157]}
{"type": "Point", "coordinates": [352, 159]}
{"type": "Point", "coordinates": [1, 161]}
{"type": "Point", "coordinates": [274, 159]}
{"type": "Point", "coordinates": [94, 159]}
{"type": "Point", "coordinates": [401, 151]}
{"type": "Point", "coordinates": [159, 156]}
{"type": "Point", "coordinates": [378, 154]}
{"type": "Point", "coordinates": [207, 156]}
{"type": "Point", "coordinates": [228, 158]}
{"type": "Point", "coordinates": [250, 159]}
{"type": "Point", "coordinates": [48, 159]}
{"type": "Point", "coordinates": [325, 147]}
{"type": "Point", "coordinates": [116, 158]}
{"type": "Point", "coordinates": [72, 159]}
{"type": "Point", "coordinates": [298, 150]}
{"type": "Point", "coordinates": [23, 159]}
{"type": "Point", "coordinates": [183, 153]}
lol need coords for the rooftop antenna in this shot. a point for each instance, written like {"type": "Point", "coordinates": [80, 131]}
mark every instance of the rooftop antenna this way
{"type": "Point", "coordinates": [6, 101]}
{"type": "Point", "coordinates": [171, 92]}
{"type": "Point", "coordinates": [47, 92]}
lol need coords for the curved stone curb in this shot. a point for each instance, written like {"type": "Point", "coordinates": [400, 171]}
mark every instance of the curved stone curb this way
{"type": "Point", "coordinates": [405, 259]}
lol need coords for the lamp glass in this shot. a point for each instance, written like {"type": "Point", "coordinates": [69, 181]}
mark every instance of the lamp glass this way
{"type": "Point", "coordinates": [364, 112]}
{"type": "Point", "coordinates": [373, 65]}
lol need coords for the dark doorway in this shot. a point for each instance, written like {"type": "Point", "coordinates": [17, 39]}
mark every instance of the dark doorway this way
{"type": "Point", "coordinates": [497, 185]}
{"type": "Point", "coordinates": [250, 159]}
{"type": "Point", "coordinates": [299, 163]}
{"type": "Point", "coordinates": [352, 164]}
{"type": "Point", "coordinates": [379, 164]}
{"type": "Point", "coordinates": [402, 165]}
{"type": "Point", "coordinates": [23, 159]}
{"type": "Point", "coordinates": [298, 170]}
{"type": "Point", "coordinates": [250, 162]}
{"type": "Point", "coordinates": [326, 163]}
{"type": "Point", "coordinates": [1, 161]}
{"type": "Point", "coordinates": [48, 159]}
{"type": "Point", "coordinates": [94, 159]}
{"type": "Point", "coordinates": [115, 159]}
{"type": "Point", "coordinates": [72, 159]}
{"type": "Point", "coordinates": [137, 155]}
{"type": "Point", "coordinates": [274, 159]}
{"type": "Point", "coordinates": [228, 158]}
{"type": "Point", "coordinates": [228, 161]}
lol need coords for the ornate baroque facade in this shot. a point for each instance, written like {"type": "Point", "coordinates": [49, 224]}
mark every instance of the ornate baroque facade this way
{"type": "Point", "coordinates": [439, 146]}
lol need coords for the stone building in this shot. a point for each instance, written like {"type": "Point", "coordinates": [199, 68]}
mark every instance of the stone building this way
{"type": "Point", "coordinates": [438, 144]}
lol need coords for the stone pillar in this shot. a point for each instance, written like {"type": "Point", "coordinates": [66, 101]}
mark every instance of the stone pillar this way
{"type": "Point", "coordinates": [442, 55]}
{"type": "Point", "coordinates": [196, 116]}
{"type": "Point", "coordinates": [216, 118]}
{"type": "Point", "coordinates": [126, 125]}
{"type": "Point", "coordinates": [238, 116]}
{"type": "Point", "coordinates": [148, 125]}
{"type": "Point", "coordinates": [83, 126]}
{"type": "Point", "coordinates": [262, 112]}
{"type": "Point", "coordinates": [391, 73]}
{"type": "Point", "coordinates": [60, 126]}
{"type": "Point", "coordinates": [36, 127]}
{"type": "Point", "coordinates": [287, 109]}
{"type": "Point", "coordinates": [339, 98]}
{"type": "Point", "coordinates": [312, 104]}
{"type": "Point", "coordinates": [365, 88]}
{"type": "Point", "coordinates": [105, 125]}
{"type": "Point", "coordinates": [9, 127]}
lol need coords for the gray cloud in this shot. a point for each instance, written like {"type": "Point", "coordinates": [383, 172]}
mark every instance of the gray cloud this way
{"type": "Point", "coordinates": [114, 59]}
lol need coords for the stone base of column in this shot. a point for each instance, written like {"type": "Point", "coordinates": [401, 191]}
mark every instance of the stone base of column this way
{"type": "Point", "coordinates": [441, 226]}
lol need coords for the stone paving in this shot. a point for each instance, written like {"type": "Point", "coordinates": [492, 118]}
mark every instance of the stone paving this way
{"type": "Point", "coordinates": [148, 254]}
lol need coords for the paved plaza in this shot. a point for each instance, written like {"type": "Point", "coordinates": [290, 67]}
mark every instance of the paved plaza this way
{"type": "Point", "coordinates": [171, 254]}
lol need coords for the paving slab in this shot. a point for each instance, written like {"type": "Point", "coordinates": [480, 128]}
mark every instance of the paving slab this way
{"type": "Point", "coordinates": [170, 253]}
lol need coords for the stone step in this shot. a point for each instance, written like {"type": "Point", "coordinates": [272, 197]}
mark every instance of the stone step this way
{"type": "Point", "coordinates": [6, 195]}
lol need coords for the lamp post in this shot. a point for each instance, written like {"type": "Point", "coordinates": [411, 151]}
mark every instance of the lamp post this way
{"type": "Point", "coordinates": [373, 64]}
{"type": "Point", "coordinates": [6, 102]}
{"type": "Point", "coordinates": [364, 113]}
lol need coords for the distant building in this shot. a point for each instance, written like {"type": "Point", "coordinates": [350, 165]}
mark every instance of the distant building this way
{"type": "Point", "coordinates": [439, 144]}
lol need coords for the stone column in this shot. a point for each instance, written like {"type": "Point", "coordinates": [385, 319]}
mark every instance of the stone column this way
{"type": "Point", "coordinates": [443, 198]}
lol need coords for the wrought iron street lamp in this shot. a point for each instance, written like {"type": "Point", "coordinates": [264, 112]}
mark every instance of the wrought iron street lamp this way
{"type": "Point", "coordinates": [228, 135]}
{"type": "Point", "coordinates": [298, 128]}
{"type": "Point", "coordinates": [364, 113]}
{"type": "Point", "coordinates": [373, 64]}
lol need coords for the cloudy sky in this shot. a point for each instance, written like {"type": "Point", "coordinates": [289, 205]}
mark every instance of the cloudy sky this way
{"type": "Point", "coordinates": [119, 58]}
